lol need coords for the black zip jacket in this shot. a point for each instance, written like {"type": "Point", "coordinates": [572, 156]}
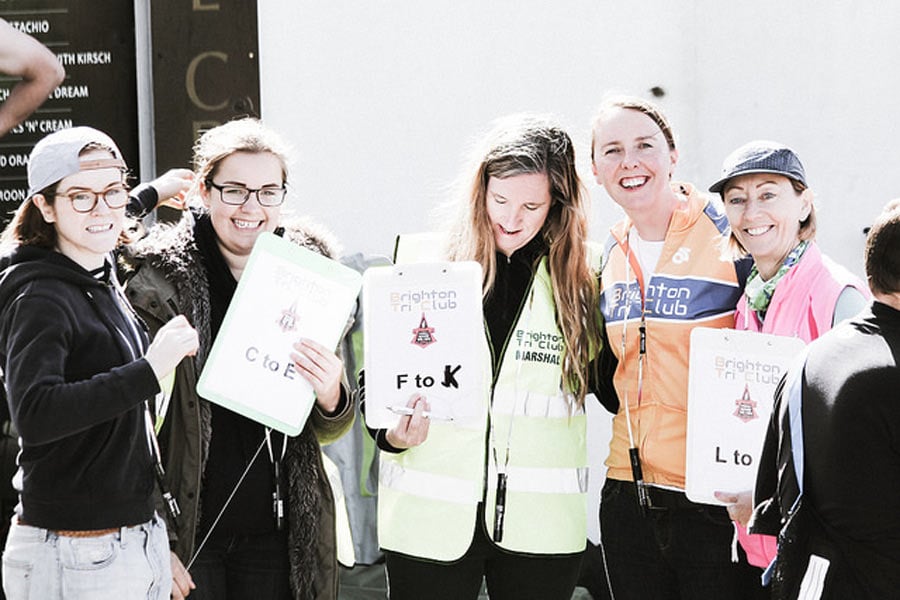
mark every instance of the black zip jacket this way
{"type": "Point", "coordinates": [76, 394]}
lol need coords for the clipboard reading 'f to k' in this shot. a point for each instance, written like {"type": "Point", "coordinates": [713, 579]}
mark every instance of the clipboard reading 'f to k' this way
{"type": "Point", "coordinates": [423, 334]}
{"type": "Point", "coordinates": [285, 293]}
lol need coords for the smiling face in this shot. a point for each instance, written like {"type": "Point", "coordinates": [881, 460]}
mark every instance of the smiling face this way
{"type": "Point", "coordinates": [633, 161]}
{"type": "Point", "coordinates": [517, 207]}
{"type": "Point", "coordinates": [765, 212]}
{"type": "Point", "coordinates": [86, 238]}
{"type": "Point", "coordinates": [238, 226]}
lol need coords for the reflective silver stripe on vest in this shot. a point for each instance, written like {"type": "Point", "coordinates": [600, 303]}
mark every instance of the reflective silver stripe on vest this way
{"type": "Point", "coordinates": [427, 485]}
{"type": "Point", "coordinates": [533, 405]}
{"type": "Point", "coordinates": [538, 480]}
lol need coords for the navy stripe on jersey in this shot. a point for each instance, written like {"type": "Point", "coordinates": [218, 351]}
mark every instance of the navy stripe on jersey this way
{"type": "Point", "coordinates": [712, 211]}
{"type": "Point", "coordinates": [670, 298]}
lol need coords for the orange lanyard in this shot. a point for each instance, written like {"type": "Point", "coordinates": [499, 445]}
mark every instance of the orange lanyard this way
{"type": "Point", "coordinates": [643, 493]}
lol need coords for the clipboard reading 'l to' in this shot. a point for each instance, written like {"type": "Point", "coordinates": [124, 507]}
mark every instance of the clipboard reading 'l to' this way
{"type": "Point", "coordinates": [285, 293]}
{"type": "Point", "coordinates": [423, 334]}
{"type": "Point", "coordinates": [731, 389]}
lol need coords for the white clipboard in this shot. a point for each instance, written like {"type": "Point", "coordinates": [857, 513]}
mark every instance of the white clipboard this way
{"type": "Point", "coordinates": [423, 333]}
{"type": "Point", "coordinates": [731, 391]}
{"type": "Point", "coordinates": [285, 293]}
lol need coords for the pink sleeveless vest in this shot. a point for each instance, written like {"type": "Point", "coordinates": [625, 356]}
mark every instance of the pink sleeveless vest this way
{"type": "Point", "coordinates": [802, 306]}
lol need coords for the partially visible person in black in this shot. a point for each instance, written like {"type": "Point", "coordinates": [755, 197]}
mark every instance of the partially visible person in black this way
{"type": "Point", "coordinates": [839, 532]}
{"type": "Point", "coordinates": [80, 379]}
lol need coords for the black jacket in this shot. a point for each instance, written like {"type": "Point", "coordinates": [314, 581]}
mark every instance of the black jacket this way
{"type": "Point", "coordinates": [76, 394]}
{"type": "Point", "coordinates": [851, 478]}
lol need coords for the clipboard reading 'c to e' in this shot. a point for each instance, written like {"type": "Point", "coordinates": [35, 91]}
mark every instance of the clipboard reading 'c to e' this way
{"type": "Point", "coordinates": [285, 293]}
{"type": "Point", "coordinates": [423, 334]}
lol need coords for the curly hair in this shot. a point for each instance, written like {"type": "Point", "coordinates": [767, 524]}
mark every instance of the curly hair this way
{"type": "Point", "coordinates": [241, 135]}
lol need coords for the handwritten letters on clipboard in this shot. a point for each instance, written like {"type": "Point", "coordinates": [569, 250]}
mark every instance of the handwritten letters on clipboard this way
{"type": "Point", "coordinates": [732, 381]}
{"type": "Point", "coordinates": [423, 334]}
{"type": "Point", "coordinates": [285, 293]}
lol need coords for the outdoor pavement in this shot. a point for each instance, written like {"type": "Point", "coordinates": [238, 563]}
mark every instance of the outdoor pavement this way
{"type": "Point", "coordinates": [366, 582]}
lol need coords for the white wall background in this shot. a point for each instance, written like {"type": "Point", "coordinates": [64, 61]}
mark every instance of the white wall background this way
{"type": "Point", "coordinates": [382, 98]}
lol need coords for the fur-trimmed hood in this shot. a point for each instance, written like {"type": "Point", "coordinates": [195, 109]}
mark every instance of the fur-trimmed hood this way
{"type": "Point", "coordinates": [168, 277]}
{"type": "Point", "coordinates": [172, 249]}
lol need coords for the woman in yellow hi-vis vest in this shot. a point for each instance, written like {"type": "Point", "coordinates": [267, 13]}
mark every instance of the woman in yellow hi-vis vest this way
{"type": "Point", "coordinates": [504, 499]}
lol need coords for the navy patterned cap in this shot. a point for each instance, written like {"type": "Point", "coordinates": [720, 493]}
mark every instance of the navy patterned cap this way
{"type": "Point", "coordinates": [760, 156]}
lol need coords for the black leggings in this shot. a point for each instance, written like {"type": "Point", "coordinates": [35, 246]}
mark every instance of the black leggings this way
{"type": "Point", "coordinates": [509, 576]}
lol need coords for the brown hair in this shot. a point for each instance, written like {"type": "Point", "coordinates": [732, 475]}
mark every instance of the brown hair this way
{"type": "Point", "coordinates": [241, 135]}
{"type": "Point", "coordinates": [28, 227]}
{"type": "Point", "coordinates": [883, 251]}
{"type": "Point", "coordinates": [524, 144]}
{"type": "Point", "coordinates": [632, 103]}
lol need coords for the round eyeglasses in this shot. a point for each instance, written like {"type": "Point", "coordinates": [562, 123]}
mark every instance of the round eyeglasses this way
{"type": "Point", "coordinates": [237, 195]}
{"type": "Point", "coordinates": [84, 201]}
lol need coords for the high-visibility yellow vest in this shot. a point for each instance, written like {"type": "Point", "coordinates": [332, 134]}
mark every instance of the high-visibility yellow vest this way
{"type": "Point", "coordinates": [428, 495]}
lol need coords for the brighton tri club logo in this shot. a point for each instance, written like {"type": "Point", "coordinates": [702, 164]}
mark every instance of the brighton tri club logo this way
{"type": "Point", "coordinates": [423, 335]}
{"type": "Point", "coordinates": [288, 320]}
{"type": "Point", "coordinates": [746, 407]}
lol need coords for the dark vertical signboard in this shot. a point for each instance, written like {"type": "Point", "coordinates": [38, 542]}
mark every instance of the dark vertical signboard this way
{"type": "Point", "coordinates": [94, 40]}
{"type": "Point", "coordinates": [205, 71]}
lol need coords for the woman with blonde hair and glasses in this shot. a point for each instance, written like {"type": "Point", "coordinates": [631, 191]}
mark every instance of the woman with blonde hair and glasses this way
{"type": "Point", "coordinates": [503, 500]}
{"type": "Point", "coordinates": [193, 267]}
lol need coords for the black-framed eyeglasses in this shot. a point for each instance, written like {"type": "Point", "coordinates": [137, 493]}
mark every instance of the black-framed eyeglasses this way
{"type": "Point", "coordinates": [84, 201]}
{"type": "Point", "coordinates": [237, 195]}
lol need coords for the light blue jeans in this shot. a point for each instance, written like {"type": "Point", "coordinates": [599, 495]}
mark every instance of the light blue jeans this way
{"type": "Point", "coordinates": [128, 564]}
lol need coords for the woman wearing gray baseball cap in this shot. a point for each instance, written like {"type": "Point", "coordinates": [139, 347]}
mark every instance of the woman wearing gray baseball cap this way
{"type": "Point", "coordinates": [81, 375]}
{"type": "Point", "coordinates": [792, 290]}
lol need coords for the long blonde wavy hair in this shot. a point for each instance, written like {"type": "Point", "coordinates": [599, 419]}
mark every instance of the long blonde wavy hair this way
{"type": "Point", "coordinates": [525, 144]}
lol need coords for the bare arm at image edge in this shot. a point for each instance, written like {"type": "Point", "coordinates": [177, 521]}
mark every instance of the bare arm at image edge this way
{"type": "Point", "coordinates": [23, 56]}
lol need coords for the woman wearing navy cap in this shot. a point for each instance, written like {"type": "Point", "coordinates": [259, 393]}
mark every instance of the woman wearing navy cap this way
{"type": "Point", "coordinates": [793, 289]}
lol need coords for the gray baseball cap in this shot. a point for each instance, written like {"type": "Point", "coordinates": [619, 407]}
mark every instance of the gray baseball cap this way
{"type": "Point", "coordinates": [55, 157]}
{"type": "Point", "coordinates": [761, 156]}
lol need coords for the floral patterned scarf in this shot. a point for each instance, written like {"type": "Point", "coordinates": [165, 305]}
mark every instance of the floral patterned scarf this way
{"type": "Point", "coordinates": [759, 292]}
